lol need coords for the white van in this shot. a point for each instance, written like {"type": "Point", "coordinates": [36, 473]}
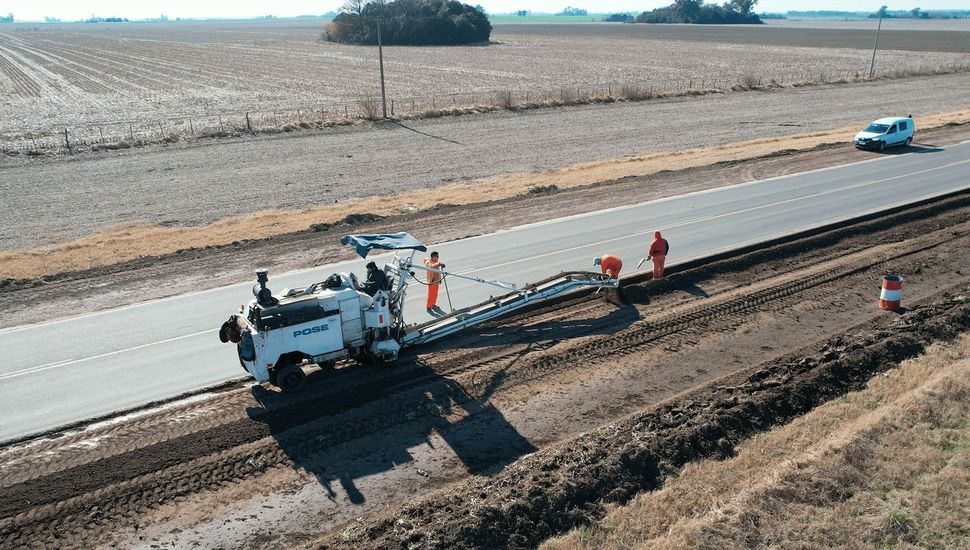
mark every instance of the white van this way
{"type": "Point", "coordinates": [886, 132]}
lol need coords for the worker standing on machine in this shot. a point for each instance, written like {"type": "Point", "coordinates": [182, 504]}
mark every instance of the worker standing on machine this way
{"type": "Point", "coordinates": [376, 280]}
{"type": "Point", "coordinates": [658, 253]}
{"type": "Point", "coordinates": [434, 283]}
{"type": "Point", "coordinates": [609, 264]}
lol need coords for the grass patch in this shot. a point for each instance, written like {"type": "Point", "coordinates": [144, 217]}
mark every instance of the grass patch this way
{"type": "Point", "coordinates": [887, 467]}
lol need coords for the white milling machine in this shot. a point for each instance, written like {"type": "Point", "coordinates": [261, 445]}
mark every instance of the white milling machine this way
{"type": "Point", "coordinates": [332, 320]}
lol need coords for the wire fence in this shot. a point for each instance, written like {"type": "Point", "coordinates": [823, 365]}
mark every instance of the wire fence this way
{"type": "Point", "coordinates": [123, 134]}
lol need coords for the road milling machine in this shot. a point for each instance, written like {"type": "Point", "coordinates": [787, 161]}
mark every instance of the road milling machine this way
{"type": "Point", "coordinates": [276, 335]}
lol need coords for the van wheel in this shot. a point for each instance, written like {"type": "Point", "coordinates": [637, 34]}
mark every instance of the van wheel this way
{"type": "Point", "coordinates": [908, 141]}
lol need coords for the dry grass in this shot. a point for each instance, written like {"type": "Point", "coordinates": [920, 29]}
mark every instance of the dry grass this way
{"type": "Point", "coordinates": [885, 467]}
{"type": "Point", "coordinates": [136, 240]}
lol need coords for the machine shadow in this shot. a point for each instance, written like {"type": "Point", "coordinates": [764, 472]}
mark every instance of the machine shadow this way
{"type": "Point", "coordinates": [492, 336]}
{"type": "Point", "coordinates": [375, 436]}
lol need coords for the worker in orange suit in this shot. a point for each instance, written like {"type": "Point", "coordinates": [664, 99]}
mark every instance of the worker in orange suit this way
{"type": "Point", "coordinates": [658, 253]}
{"type": "Point", "coordinates": [434, 283]}
{"type": "Point", "coordinates": [609, 264]}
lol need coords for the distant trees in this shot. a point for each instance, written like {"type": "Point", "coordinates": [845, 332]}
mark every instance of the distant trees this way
{"type": "Point", "coordinates": [619, 18]}
{"type": "Point", "coordinates": [6, 19]}
{"type": "Point", "coordinates": [409, 22]}
{"type": "Point", "coordinates": [96, 19]}
{"type": "Point", "coordinates": [523, 13]}
{"type": "Point", "coordinates": [696, 11]}
{"type": "Point", "coordinates": [882, 12]}
{"type": "Point", "coordinates": [571, 11]}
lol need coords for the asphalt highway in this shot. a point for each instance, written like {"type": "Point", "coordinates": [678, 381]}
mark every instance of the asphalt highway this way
{"type": "Point", "coordinates": [82, 367]}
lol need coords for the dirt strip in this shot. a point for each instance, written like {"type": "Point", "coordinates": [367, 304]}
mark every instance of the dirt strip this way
{"type": "Point", "coordinates": [566, 486]}
{"type": "Point", "coordinates": [81, 486]}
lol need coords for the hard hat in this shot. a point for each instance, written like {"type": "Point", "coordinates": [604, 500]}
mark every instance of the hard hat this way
{"type": "Point", "coordinates": [596, 261]}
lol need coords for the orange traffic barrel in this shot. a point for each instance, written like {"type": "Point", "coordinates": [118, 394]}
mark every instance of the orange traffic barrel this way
{"type": "Point", "coordinates": [892, 292]}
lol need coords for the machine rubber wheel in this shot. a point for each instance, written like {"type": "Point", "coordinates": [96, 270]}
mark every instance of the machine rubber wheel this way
{"type": "Point", "coordinates": [882, 146]}
{"type": "Point", "coordinates": [290, 378]}
{"type": "Point", "coordinates": [380, 360]}
{"type": "Point", "coordinates": [908, 141]}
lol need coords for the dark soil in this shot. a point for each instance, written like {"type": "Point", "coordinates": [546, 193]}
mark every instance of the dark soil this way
{"type": "Point", "coordinates": [262, 430]}
{"type": "Point", "coordinates": [567, 486]}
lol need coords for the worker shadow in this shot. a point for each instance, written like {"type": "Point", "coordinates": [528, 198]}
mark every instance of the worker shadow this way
{"type": "Point", "coordinates": [555, 329]}
{"type": "Point", "coordinates": [394, 433]}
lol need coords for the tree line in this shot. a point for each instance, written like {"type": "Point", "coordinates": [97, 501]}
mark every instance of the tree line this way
{"type": "Point", "coordinates": [409, 22]}
{"type": "Point", "coordinates": [696, 11]}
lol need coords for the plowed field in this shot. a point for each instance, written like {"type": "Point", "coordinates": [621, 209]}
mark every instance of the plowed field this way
{"type": "Point", "coordinates": [53, 76]}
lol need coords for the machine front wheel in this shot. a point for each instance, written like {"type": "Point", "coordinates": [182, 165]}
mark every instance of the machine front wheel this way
{"type": "Point", "coordinates": [290, 378]}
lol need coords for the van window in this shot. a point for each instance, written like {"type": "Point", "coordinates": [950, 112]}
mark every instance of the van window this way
{"type": "Point", "coordinates": [892, 130]}
{"type": "Point", "coordinates": [876, 128]}
{"type": "Point", "coordinates": [902, 126]}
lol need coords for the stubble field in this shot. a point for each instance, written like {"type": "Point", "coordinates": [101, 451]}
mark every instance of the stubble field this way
{"type": "Point", "coordinates": [109, 75]}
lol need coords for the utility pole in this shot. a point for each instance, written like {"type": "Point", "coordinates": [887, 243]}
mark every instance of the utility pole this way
{"type": "Point", "coordinates": [380, 56]}
{"type": "Point", "coordinates": [872, 62]}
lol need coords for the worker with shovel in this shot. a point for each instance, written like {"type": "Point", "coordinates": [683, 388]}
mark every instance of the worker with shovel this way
{"type": "Point", "coordinates": [434, 282]}
{"type": "Point", "coordinates": [658, 253]}
{"type": "Point", "coordinates": [609, 264]}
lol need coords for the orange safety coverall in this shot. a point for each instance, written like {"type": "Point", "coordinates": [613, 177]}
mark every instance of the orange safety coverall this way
{"type": "Point", "coordinates": [434, 282]}
{"type": "Point", "coordinates": [611, 265]}
{"type": "Point", "coordinates": [658, 253]}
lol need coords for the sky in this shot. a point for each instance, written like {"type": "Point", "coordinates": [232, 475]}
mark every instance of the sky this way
{"type": "Point", "coordinates": [36, 10]}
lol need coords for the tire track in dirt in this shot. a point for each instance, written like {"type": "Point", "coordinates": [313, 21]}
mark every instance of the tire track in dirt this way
{"type": "Point", "coordinates": [58, 454]}
{"type": "Point", "coordinates": [247, 459]}
{"type": "Point", "coordinates": [135, 434]}
{"type": "Point", "coordinates": [564, 486]}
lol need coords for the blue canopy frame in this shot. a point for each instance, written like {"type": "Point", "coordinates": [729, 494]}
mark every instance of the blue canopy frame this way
{"type": "Point", "coordinates": [388, 241]}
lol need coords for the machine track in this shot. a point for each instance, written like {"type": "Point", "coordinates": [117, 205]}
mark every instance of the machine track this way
{"type": "Point", "coordinates": [58, 491]}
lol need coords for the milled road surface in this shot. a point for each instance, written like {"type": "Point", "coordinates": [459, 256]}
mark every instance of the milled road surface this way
{"type": "Point", "coordinates": [132, 355]}
{"type": "Point", "coordinates": [57, 200]}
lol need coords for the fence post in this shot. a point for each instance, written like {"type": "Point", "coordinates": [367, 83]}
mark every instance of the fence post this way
{"type": "Point", "coordinates": [161, 131]}
{"type": "Point", "coordinates": [191, 128]}
{"type": "Point", "coordinates": [392, 107]}
{"type": "Point", "coordinates": [67, 142]}
{"type": "Point", "coordinates": [131, 132]}
{"type": "Point", "coordinates": [223, 128]}
{"type": "Point", "coordinates": [101, 131]}
{"type": "Point", "coordinates": [249, 125]}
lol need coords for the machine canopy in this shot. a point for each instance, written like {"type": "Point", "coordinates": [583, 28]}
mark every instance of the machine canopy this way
{"type": "Point", "coordinates": [389, 241]}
